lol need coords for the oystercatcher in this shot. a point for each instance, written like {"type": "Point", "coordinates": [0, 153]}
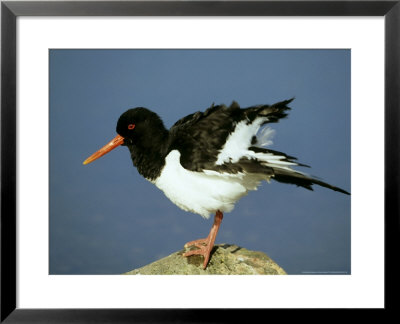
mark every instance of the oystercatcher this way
{"type": "Point", "coordinates": [208, 160]}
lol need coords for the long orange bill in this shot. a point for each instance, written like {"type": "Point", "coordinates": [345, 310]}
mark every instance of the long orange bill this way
{"type": "Point", "coordinates": [116, 141]}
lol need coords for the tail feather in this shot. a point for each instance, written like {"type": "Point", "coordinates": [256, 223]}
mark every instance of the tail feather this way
{"type": "Point", "coordinates": [302, 180]}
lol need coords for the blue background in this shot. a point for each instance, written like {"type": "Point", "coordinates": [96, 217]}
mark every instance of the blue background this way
{"type": "Point", "coordinates": [106, 219]}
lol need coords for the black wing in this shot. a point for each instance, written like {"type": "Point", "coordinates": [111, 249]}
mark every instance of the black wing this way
{"type": "Point", "coordinates": [199, 137]}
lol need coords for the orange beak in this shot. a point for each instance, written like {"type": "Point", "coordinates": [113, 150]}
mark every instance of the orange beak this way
{"type": "Point", "coordinates": [116, 141]}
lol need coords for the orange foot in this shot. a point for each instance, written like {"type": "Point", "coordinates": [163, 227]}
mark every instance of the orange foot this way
{"type": "Point", "coordinates": [205, 245]}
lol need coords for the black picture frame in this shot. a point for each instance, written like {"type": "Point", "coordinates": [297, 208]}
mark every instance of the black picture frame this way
{"type": "Point", "coordinates": [10, 10]}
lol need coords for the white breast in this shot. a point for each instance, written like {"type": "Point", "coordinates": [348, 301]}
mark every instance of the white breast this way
{"type": "Point", "coordinates": [202, 193]}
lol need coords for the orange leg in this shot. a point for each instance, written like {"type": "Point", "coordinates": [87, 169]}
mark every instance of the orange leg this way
{"type": "Point", "coordinates": [205, 245]}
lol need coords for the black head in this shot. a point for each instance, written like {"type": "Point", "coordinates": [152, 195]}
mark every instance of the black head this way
{"type": "Point", "coordinates": [140, 129]}
{"type": "Point", "coordinates": [137, 123]}
{"type": "Point", "coordinates": [146, 137]}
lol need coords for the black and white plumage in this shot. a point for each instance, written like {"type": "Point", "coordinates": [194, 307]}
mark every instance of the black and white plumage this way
{"type": "Point", "coordinates": [208, 160]}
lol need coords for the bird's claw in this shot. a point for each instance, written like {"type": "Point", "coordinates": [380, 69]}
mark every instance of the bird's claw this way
{"type": "Point", "coordinates": [198, 243]}
{"type": "Point", "coordinates": [203, 250]}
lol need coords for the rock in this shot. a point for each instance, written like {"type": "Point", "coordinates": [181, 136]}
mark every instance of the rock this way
{"type": "Point", "coordinates": [225, 260]}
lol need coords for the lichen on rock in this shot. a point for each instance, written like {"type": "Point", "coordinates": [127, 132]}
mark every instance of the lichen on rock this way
{"type": "Point", "coordinates": [226, 259]}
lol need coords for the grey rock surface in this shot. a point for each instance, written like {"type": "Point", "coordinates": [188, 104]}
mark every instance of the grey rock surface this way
{"type": "Point", "coordinates": [226, 259]}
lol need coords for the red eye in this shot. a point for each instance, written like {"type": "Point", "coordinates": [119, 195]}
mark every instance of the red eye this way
{"type": "Point", "coordinates": [131, 126]}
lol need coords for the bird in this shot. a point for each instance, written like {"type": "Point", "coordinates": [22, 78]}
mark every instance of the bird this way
{"type": "Point", "coordinates": [208, 160]}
